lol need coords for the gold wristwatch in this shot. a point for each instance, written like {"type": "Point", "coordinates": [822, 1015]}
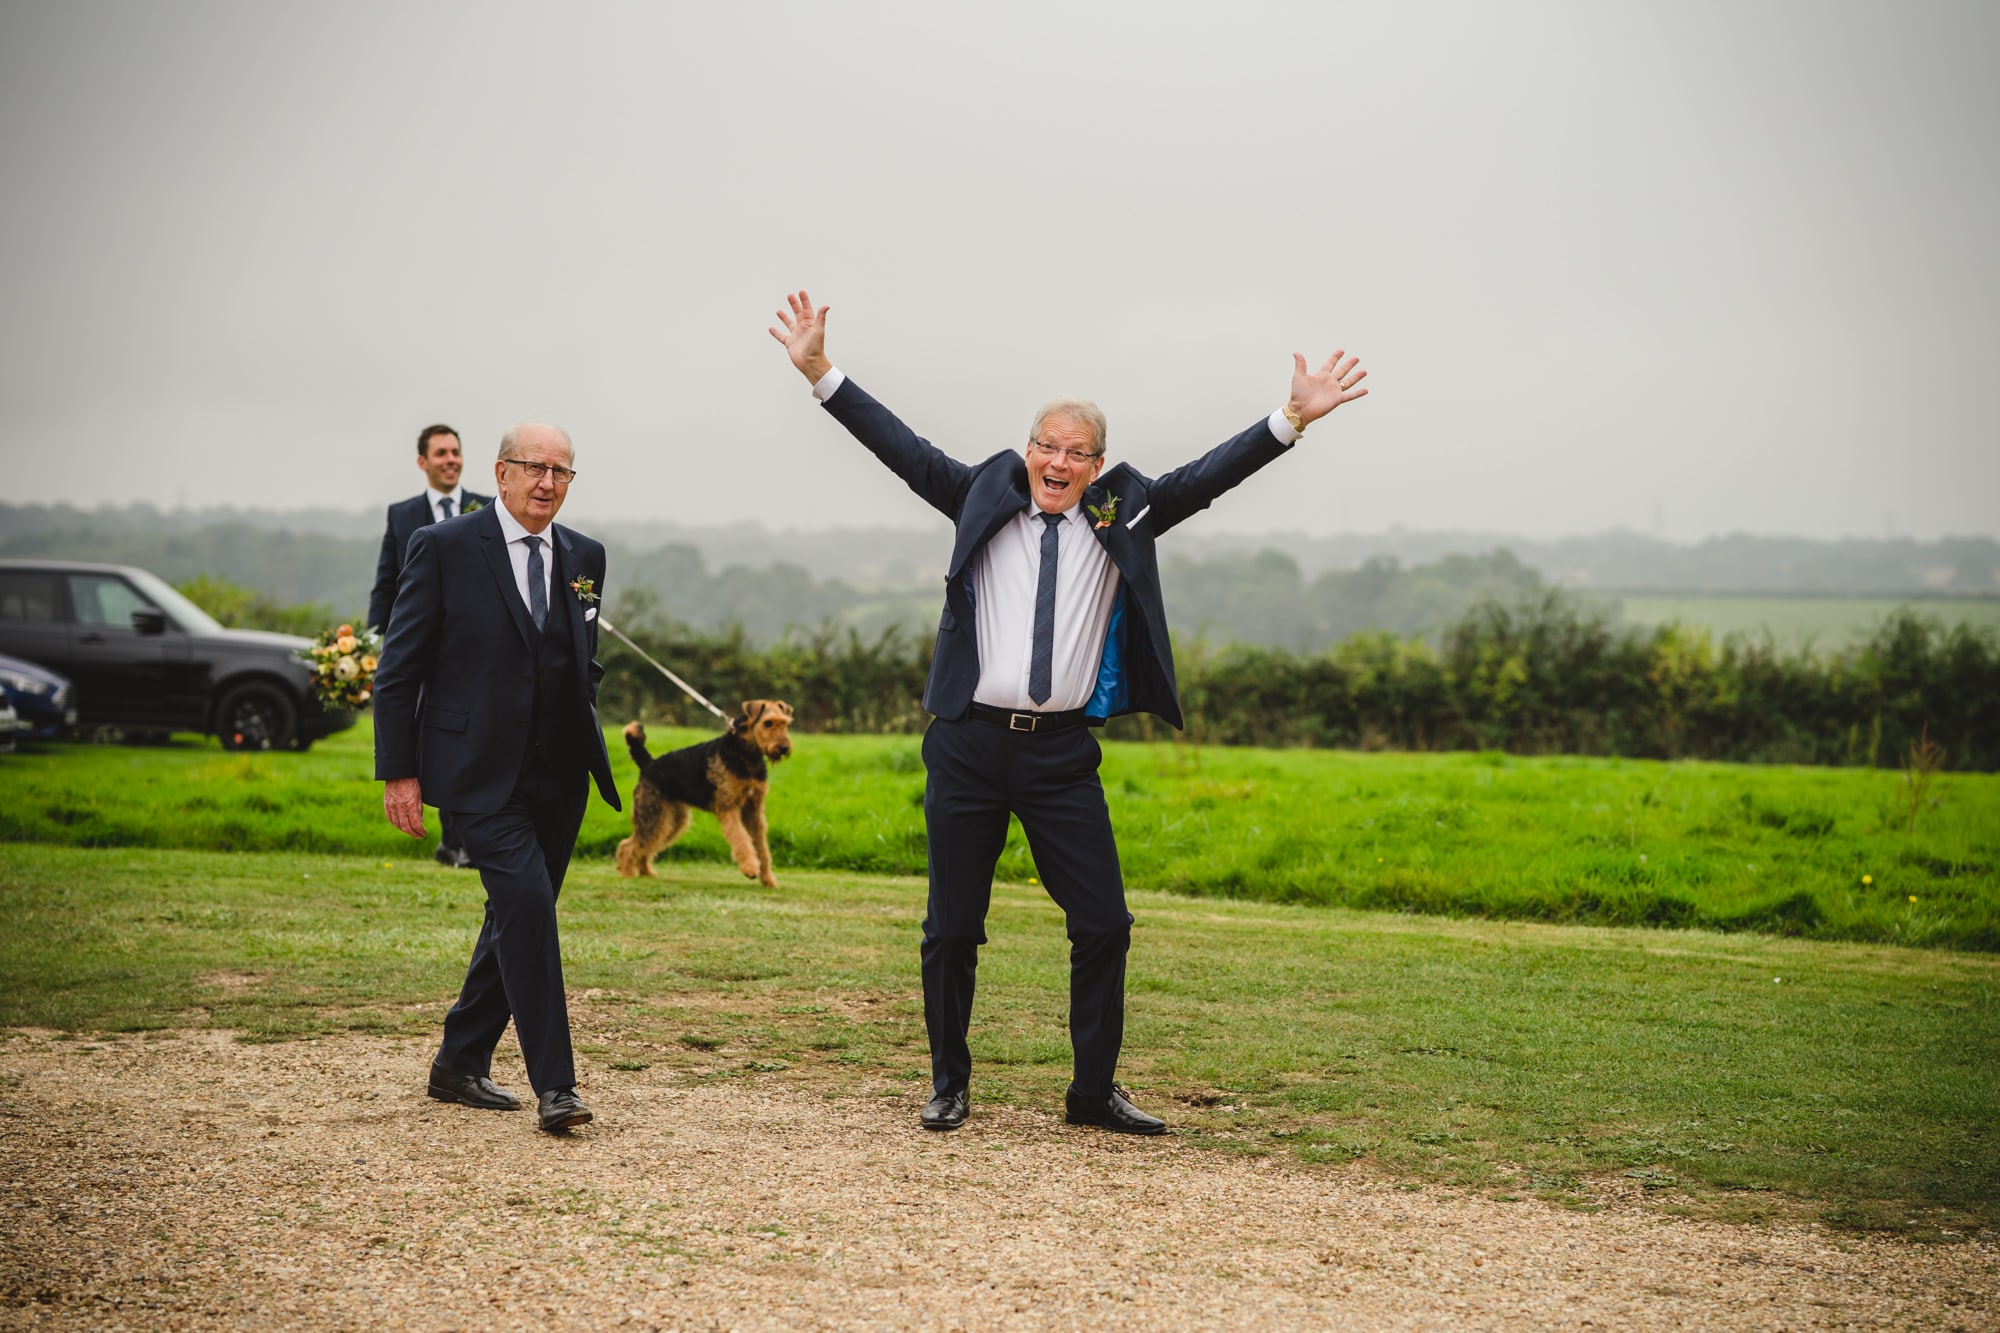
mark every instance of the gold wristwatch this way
{"type": "Point", "coordinates": [1292, 415]}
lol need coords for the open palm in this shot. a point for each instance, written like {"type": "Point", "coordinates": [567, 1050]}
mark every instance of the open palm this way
{"type": "Point", "coordinates": [1316, 393]}
{"type": "Point", "coordinates": [804, 335]}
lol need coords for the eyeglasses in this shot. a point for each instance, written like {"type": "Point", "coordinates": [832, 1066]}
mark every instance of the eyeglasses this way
{"type": "Point", "coordinates": [536, 471]}
{"type": "Point", "coordinates": [1077, 456]}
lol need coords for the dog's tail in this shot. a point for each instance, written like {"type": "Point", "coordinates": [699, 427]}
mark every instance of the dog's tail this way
{"type": "Point", "coordinates": [635, 741]}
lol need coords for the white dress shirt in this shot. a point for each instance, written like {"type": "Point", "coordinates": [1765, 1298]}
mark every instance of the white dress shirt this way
{"type": "Point", "coordinates": [456, 495]}
{"type": "Point", "coordinates": [1004, 576]}
{"type": "Point", "coordinates": [517, 554]}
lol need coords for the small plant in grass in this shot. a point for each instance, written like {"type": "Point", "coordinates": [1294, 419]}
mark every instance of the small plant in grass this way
{"type": "Point", "coordinates": [1925, 762]}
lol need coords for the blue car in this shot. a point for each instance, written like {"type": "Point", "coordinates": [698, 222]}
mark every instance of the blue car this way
{"type": "Point", "coordinates": [42, 701]}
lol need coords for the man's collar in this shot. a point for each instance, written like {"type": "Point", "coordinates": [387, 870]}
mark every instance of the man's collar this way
{"type": "Point", "coordinates": [511, 529]}
{"type": "Point", "coordinates": [1075, 511]}
{"type": "Point", "coordinates": [456, 495]}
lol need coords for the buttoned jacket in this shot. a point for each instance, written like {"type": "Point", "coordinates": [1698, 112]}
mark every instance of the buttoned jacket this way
{"type": "Point", "coordinates": [455, 691]}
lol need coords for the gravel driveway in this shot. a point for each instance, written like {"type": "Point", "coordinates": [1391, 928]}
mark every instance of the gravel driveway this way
{"type": "Point", "coordinates": [191, 1181]}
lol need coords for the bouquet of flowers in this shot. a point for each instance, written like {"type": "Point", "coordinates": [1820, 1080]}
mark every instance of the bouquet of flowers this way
{"type": "Point", "coordinates": [343, 666]}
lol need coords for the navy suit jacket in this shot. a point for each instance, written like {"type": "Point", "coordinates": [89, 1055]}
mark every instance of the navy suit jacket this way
{"type": "Point", "coordinates": [455, 690]}
{"type": "Point", "coordinates": [405, 517]}
{"type": "Point", "coordinates": [981, 498]}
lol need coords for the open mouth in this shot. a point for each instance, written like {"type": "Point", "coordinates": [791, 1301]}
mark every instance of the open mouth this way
{"type": "Point", "coordinates": [1054, 487]}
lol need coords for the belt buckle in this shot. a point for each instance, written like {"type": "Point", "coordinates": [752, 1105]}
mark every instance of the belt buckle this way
{"type": "Point", "coordinates": [1014, 721]}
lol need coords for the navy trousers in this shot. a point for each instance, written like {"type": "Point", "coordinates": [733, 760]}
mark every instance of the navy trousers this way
{"type": "Point", "coordinates": [523, 851]}
{"type": "Point", "coordinates": [977, 774]}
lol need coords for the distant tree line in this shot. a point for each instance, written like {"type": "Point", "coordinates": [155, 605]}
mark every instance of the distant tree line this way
{"type": "Point", "coordinates": [237, 607]}
{"type": "Point", "coordinates": [1547, 676]}
{"type": "Point", "coordinates": [1543, 674]}
{"type": "Point", "coordinates": [1265, 598]}
{"type": "Point", "coordinates": [1286, 590]}
{"type": "Point", "coordinates": [835, 679]}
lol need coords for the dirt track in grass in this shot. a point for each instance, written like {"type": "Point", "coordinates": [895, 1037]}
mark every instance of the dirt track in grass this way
{"type": "Point", "coordinates": [192, 1181]}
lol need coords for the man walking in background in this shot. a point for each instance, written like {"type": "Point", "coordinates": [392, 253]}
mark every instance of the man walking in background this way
{"type": "Point", "coordinates": [485, 707]}
{"type": "Point", "coordinates": [441, 458]}
{"type": "Point", "coordinates": [1052, 621]}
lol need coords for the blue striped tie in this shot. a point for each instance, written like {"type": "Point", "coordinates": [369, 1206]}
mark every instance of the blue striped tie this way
{"type": "Point", "coordinates": [1041, 667]}
{"type": "Point", "coordinates": [538, 584]}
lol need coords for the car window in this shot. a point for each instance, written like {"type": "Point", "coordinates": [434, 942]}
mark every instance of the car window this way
{"type": "Point", "coordinates": [178, 608]}
{"type": "Point", "coordinates": [102, 599]}
{"type": "Point", "coordinates": [27, 596]}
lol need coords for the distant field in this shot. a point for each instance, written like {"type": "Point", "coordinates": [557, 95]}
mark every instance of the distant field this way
{"type": "Point", "coordinates": [1822, 623]}
{"type": "Point", "coordinates": [1817, 852]}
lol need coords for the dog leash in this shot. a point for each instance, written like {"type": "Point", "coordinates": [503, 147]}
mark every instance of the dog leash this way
{"type": "Point", "coordinates": [686, 688]}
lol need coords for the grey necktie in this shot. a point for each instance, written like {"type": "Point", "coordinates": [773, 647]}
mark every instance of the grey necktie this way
{"type": "Point", "coordinates": [538, 584]}
{"type": "Point", "coordinates": [444, 509]}
{"type": "Point", "coordinates": [1041, 667]}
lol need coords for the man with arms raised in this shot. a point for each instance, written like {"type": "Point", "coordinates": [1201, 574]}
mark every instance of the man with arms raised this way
{"type": "Point", "coordinates": [485, 706]}
{"type": "Point", "coordinates": [1052, 620]}
{"type": "Point", "coordinates": [440, 459]}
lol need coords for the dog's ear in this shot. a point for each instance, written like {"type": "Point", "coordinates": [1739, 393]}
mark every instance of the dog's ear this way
{"type": "Point", "coordinates": [783, 708]}
{"type": "Point", "coordinates": [752, 710]}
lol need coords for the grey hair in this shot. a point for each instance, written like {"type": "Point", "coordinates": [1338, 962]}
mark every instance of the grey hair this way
{"type": "Point", "coordinates": [508, 441]}
{"type": "Point", "coordinates": [1080, 410]}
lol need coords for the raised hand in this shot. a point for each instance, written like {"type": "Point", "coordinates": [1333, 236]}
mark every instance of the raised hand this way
{"type": "Point", "coordinates": [804, 336]}
{"type": "Point", "coordinates": [1315, 393]}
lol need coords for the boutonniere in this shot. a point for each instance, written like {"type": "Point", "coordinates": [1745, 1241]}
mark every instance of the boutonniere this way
{"type": "Point", "coordinates": [1106, 514]}
{"type": "Point", "coordinates": [469, 506]}
{"type": "Point", "coordinates": [583, 588]}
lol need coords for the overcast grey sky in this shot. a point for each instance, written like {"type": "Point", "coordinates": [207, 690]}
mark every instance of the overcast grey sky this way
{"type": "Point", "coordinates": [1706, 267]}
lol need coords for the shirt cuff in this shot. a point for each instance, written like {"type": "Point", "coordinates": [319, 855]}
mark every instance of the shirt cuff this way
{"type": "Point", "coordinates": [829, 384]}
{"type": "Point", "coordinates": [1279, 426]}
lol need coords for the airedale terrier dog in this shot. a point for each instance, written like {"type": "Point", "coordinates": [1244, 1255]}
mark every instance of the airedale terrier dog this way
{"type": "Point", "coordinates": [729, 777]}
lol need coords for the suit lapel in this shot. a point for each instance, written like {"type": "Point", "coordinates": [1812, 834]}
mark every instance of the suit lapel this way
{"type": "Point", "coordinates": [1114, 538]}
{"type": "Point", "coordinates": [493, 546]}
{"type": "Point", "coordinates": [572, 604]}
{"type": "Point", "coordinates": [973, 536]}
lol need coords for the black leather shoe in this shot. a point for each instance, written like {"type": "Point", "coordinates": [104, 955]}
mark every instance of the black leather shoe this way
{"type": "Point", "coordinates": [562, 1109]}
{"type": "Point", "coordinates": [448, 1085]}
{"type": "Point", "coordinates": [947, 1110]}
{"type": "Point", "coordinates": [1114, 1113]}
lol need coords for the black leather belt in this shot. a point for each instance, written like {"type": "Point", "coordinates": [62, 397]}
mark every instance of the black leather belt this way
{"type": "Point", "coordinates": [1037, 722]}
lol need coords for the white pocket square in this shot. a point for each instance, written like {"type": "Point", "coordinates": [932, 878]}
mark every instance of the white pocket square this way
{"type": "Point", "coordinates": [589, 614]}
{"type": "Point", "coordinates": [1136, 517]}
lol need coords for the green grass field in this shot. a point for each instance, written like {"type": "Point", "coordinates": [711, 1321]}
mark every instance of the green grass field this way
{"type": "Point", "coordinates": [1737, 1074]}
{"type": "Point", "coordinates": [1730, 1075]}
{"type": "Point", "coordinates": [1823, 624]}
{"type": "Point", "coordinates": [1816, 852]}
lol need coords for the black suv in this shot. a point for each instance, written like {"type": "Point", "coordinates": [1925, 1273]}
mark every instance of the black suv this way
{"type": "Point", "coordinates": [144, 660]}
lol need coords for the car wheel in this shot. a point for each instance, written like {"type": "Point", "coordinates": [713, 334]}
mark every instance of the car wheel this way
{"type": "Point", "coordinates": [256, 717]}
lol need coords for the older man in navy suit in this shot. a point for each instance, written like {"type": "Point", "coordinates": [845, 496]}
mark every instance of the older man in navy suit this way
{"type": "Point", "coordinates": [441, 459]}
{"type": "Point", "coordinates": [1052, 622]}
{"type": "Point", "coordinates": [485, 706]}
